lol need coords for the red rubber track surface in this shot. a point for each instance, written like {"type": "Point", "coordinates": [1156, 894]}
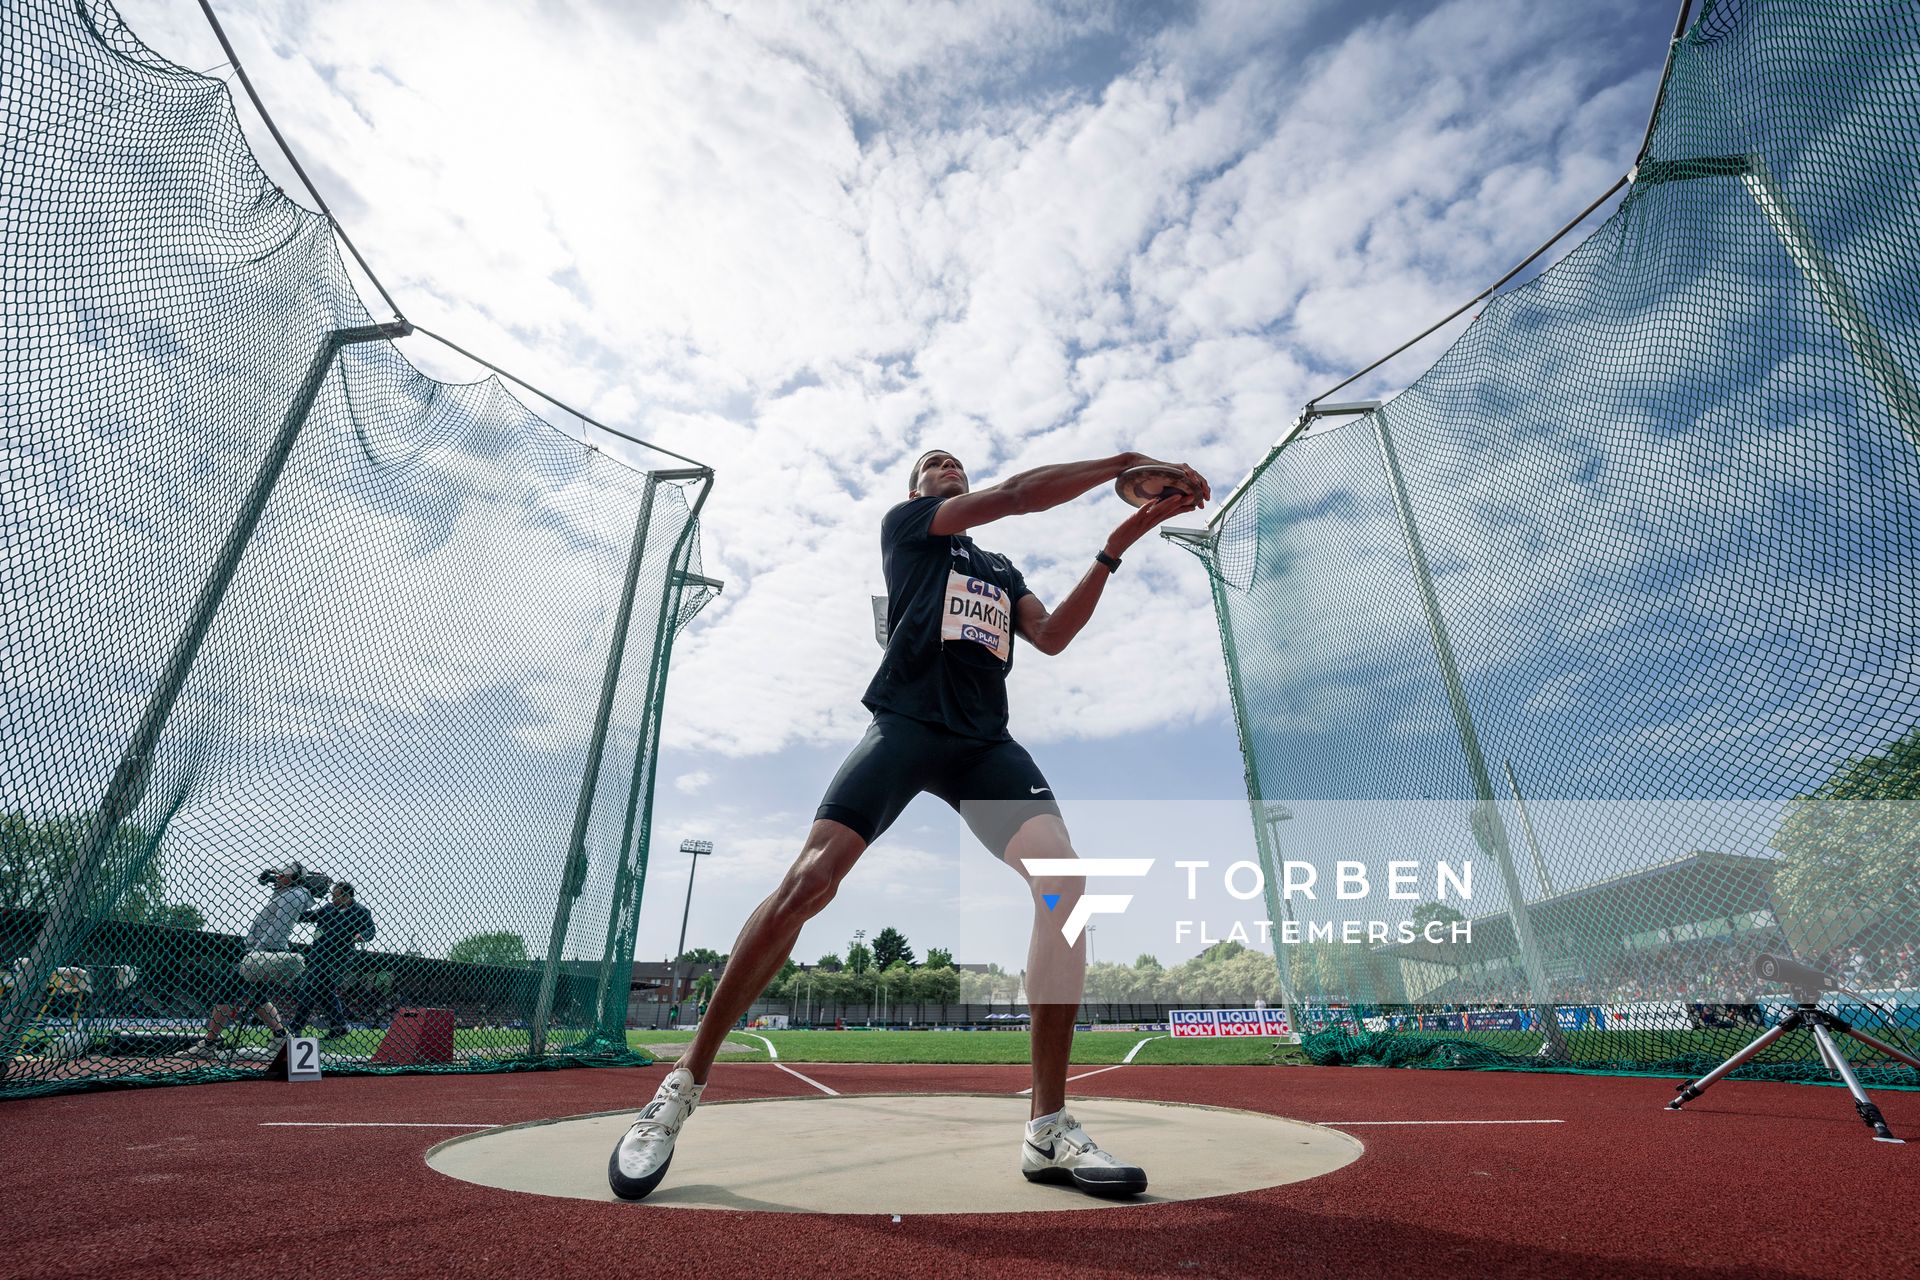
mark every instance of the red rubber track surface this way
{"type": "Point", "coordinates": [1751, 1180]}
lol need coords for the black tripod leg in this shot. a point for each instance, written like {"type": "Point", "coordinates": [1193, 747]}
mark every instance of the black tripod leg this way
{"type": "Point", "coordinates": [1691, 1091]}
{"type": "Point", "coordinates": [1882, 1046]}
{"type": "Point", "coordinates": [1861, 1102]}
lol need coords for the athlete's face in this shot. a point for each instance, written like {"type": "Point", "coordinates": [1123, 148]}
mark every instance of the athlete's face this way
{"type": "Point", "coordinates": [941, 476]}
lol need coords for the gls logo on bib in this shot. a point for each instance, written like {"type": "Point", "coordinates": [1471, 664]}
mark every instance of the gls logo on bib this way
{"type": "Point", "coordinates": [976, 610]}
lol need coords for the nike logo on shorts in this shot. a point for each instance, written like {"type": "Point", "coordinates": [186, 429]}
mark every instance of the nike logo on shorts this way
{"type": "Point", "coordinates": [1034, 791]}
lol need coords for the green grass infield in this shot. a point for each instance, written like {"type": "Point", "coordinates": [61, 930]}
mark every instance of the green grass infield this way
{"type": "Point", "coordinates": [1091, 1048]}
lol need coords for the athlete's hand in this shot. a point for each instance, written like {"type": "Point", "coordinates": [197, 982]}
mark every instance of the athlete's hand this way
{"type": "Point", "coordinates": [1144, 519]}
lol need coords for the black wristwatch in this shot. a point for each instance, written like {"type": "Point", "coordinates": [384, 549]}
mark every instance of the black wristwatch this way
{"type": "Point", "coordinates": [1112, 563]}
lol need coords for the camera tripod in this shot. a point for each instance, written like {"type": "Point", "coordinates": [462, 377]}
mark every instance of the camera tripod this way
{"type": "Point", "coordinates": [1808, 1016]}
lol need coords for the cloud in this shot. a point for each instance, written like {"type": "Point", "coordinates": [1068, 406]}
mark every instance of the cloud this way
{"type": "Point", "coordinates": [803, 241]}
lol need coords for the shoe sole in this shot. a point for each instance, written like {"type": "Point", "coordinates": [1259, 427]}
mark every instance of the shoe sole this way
{"type": "Point", "coordinates": [633, 1188]}
{"type": "Point", "coordinates": [1115, 1188]}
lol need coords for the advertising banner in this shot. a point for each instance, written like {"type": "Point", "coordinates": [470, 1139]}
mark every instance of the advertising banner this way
{"type": "Point", "coordinates": [1580, 1017]}
{"type": "Point", "coordinates": [1647, 1015]}
{"type": "Point", "coordinates": [1201, 1023]}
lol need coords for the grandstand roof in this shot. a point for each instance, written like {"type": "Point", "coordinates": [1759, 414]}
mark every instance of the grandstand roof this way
{"type": "Point", "coordinates": [1702, 885]}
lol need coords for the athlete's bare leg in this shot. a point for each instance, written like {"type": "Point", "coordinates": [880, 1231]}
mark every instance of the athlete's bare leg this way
{"type": "Point", "coordinates": [770, 932]}
{"type": "Point", "coordinates": [1056, 972]}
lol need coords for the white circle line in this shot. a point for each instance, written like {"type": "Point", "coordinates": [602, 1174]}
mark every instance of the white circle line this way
{"type": "Point", "coordinates": [1379, 1122]}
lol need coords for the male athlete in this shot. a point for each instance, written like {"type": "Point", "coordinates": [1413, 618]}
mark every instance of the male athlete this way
{"type": "Point", "coordinates": [939, 704]}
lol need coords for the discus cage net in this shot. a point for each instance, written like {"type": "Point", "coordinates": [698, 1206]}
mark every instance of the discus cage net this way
{"type": "Point", "coordinates": [272, 595]}
{"type": "Point", "coordinates": [1620, 601]}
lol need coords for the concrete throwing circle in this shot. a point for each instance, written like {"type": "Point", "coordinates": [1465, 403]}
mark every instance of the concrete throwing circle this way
{"type": "Point", "coordinates": [920, 1153]}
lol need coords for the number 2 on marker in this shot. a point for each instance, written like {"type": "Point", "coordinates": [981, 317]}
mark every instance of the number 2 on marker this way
{"type": "Point", "coordinates": [303, 1058]}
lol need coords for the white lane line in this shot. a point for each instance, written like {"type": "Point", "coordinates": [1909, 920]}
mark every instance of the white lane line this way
{"type": "Point", "coordinates": [1103, 1070]}
{"type": "Point", "coordinates": [1351, 1123]}
{"type": "Point", "coordinates": [831, 1093]}
{"type": "Point", "coordinates": [773, 1056]}
{"type": "Point", "coordinates": [368, 1124]}
{"type": "Point", "coordinates": [1070, 1079]}
{"type": "Point", "coordinates": [1137, 1048]}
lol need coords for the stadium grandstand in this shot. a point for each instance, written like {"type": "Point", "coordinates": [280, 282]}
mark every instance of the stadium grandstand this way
{"type": "Point", "coordinates": [1678, 955]}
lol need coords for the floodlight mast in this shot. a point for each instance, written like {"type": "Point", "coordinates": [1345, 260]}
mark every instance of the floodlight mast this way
{"type": "Point", "coordinates": [699, 849]}
{"type": "Point", "coordinates": [1276, 813]}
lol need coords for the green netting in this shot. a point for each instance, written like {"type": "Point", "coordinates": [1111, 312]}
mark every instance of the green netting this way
{"type": "Point", "coordinates": [272, 595]}
{"type": "Point", "coordinates": [1619, 602]}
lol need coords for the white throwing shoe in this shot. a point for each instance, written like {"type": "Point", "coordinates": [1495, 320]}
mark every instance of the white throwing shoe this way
{"type": "Point", "coordinates": [641, 1159]}
{"type": "Point", "coordinates": [1061, 1151]}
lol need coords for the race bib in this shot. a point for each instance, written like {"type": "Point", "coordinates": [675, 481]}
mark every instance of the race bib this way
{"type": "Point", "coordinates": [979, 611]}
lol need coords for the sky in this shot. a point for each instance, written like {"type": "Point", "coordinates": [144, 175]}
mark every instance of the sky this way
{"type": "Point", "coordinates": [805, 243]}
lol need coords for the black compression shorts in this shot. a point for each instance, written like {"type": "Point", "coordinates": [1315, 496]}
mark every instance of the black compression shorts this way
{"type": "Point", "coordinates": [995, 786]}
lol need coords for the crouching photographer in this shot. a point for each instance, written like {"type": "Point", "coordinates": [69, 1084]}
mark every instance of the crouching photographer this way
{"type": "Point", "coordinates": [269, 963]}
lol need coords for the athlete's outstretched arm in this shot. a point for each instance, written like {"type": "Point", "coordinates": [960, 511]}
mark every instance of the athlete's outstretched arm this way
{"type": "Point", "coordinates": [1050, 631]}
{"type": "Point", "coordinates": [1039, 490]}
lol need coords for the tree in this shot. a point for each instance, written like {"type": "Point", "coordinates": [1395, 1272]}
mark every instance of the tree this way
{"type": "Point", "coordinates": [829, 963]}
{"type": "Point", "coordinates": [994, 985]}
{"type": "Point", "coordinates": [891, 945]}
{"type": "Point", "coordinates": [1427, 912]}
{"type": "Point", "coordinates": [935, 986]}
{"type": "Point", "coordinates": [1220, 951]}
{"type": "Point", "coordinates": [506, 950]}
{"type": "Point", "coordinates": [858, 958]}
{"type": "Point", "coordinates": [36, 855]}
{"type": "Point", "coordinates": [939, 958]}
{"type": "Point", "coordinates": [180, 916]}
{"type": "Point", "coordinates": [702, 955]}
{"type": "Point", "coordinates": [1847, 848]}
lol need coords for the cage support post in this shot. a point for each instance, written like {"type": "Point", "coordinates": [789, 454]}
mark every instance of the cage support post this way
{"type": "Point", "coordinates": [623, 916]}
{"type": "Point", "coordinates": [573, 871]}
{"type": "Point", "coordinates": [1489, 829]}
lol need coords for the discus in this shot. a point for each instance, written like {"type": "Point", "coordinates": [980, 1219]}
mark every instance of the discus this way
{"type": "Point", "coordinates": [1141, 485]}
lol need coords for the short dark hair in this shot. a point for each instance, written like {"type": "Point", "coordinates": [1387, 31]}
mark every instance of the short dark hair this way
{"type": "Point", "coordinates": [913, 480]}
{"type": "Point", "coordinates": [343, 887]}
